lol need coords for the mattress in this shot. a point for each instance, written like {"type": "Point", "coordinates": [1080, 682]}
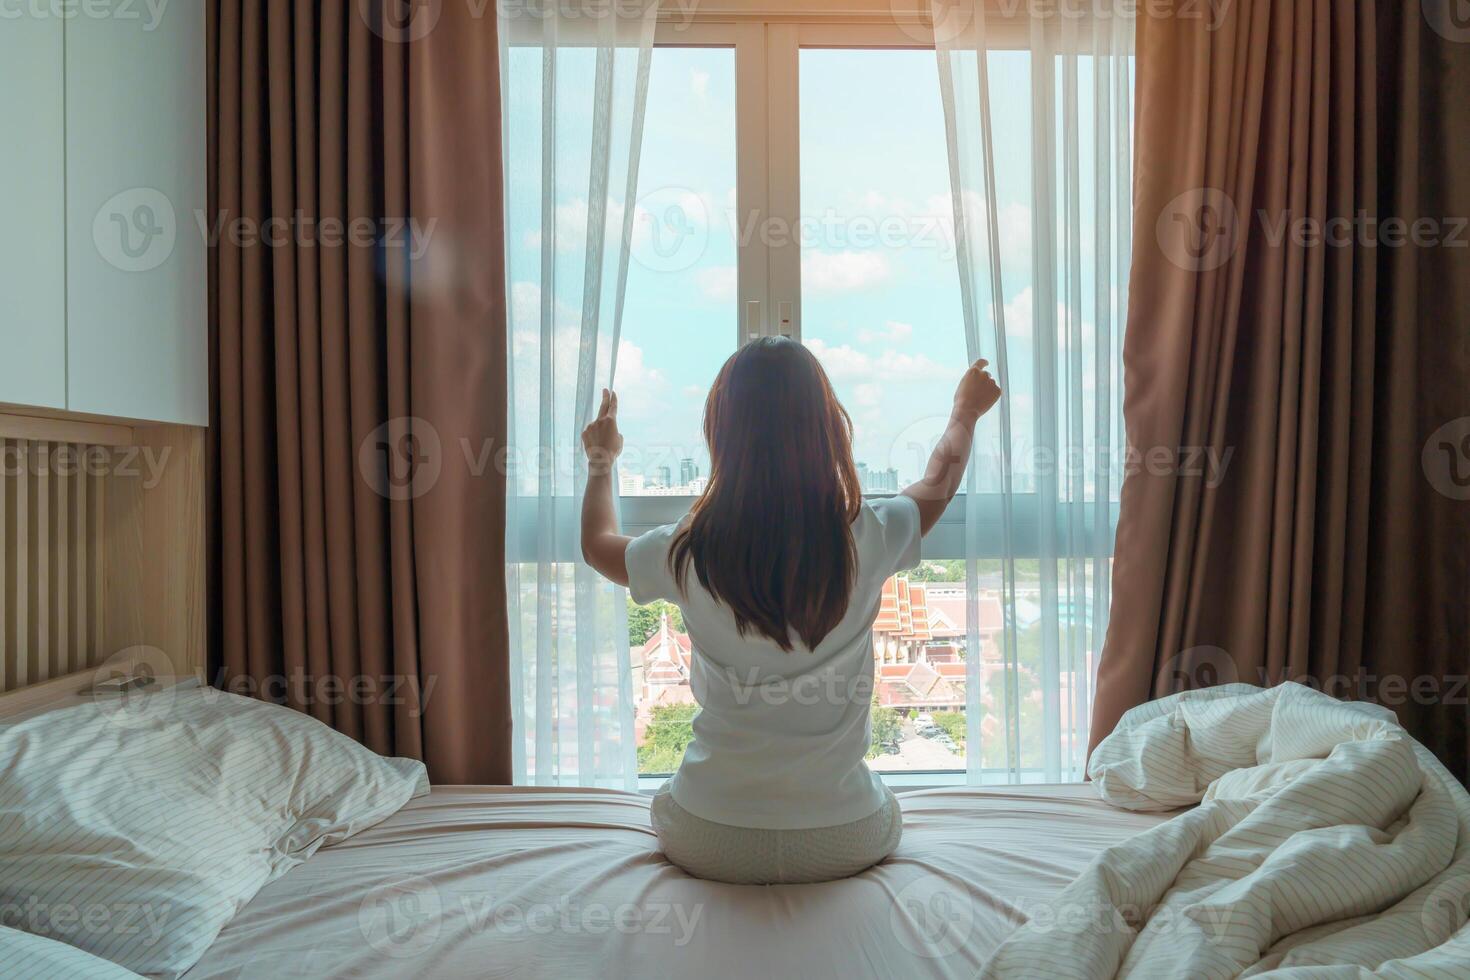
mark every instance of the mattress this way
{"type": "Point", "coordinates": [474, 881]}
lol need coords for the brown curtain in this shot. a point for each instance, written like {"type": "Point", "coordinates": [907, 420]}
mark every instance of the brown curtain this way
{"type": "Point", "coordinates": [359, 377]}
{"type": "Point", "coordinates": [1327, 364]}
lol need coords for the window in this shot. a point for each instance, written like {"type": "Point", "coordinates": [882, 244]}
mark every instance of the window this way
{"type": "Point", "coordinates": [794, 180]}
{"type": "Point", "coordinates": [679, 312]}
{"type": "Point", "coordinates": [880, 299]}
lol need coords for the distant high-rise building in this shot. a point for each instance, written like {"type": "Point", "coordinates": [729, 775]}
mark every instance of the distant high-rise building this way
{"type": "Point", "coordinates": [877, 481]}
{"type": "Point", "coordinates": [687, 471]}
{"type": "Point", "coordinates": [664, 476]}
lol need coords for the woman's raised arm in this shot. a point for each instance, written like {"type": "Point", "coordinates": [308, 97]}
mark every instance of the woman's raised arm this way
{"type": "Point", "coordinates": [977, 394]}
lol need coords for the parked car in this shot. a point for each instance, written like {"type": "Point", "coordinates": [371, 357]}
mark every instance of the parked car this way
{"type": "Point", "coordinates": [890, 748]}
{"type": "Point", "coordinates": [923, 718]}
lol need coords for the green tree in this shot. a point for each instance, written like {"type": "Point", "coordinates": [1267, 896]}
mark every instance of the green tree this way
{"type": "Point", "coordinates": [886, 728]}
{"type": "Point", "coordinates": [993, 751]}
{"type": "Point", "coordinates": [643, 620]}
{"type": "Point", "coordinates": [940, 570]}
{"type": "Point", "coordinates": [1028, 644]}
{"type": "Point", "coordinates": [953, 724]}
{"type": "Point", "coordinates": [668, 734]}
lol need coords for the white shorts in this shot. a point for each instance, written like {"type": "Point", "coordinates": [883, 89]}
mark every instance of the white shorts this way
{"type": "Point", "coordinates": [751, 856]}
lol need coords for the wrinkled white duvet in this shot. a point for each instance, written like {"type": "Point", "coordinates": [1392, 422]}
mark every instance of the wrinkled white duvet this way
{"type": "Point", "coordinates": [1326, 843]}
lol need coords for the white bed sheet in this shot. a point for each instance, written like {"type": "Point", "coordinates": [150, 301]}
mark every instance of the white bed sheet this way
{"type": "Point", "coordinates": [520, 882]}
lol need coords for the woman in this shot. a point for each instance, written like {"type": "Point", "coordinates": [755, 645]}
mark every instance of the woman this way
{"type": "Point", "coordinates": [778, 571]}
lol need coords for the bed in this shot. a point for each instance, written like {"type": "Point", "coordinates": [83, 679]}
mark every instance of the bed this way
{"type": "Point", "coordinates": [1227, 832]}
{"type": "Point", "coordinates": [517, 882]}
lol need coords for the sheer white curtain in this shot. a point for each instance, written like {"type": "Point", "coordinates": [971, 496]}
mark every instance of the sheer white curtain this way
{"type": "Point", "coordinates": [1043, 227]}
{"type": "Point", "coordinates": [574, 85]}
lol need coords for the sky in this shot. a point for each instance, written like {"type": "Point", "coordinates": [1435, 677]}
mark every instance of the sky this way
{"type": "Point", "coordinates": [881, 301]}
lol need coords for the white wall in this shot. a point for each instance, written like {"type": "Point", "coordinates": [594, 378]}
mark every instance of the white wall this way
{"type": "Point", "coordinates": [32, 214]}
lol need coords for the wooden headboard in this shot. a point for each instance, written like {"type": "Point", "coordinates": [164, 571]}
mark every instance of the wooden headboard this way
{"type": "Point", "coordinates": [102, 528]}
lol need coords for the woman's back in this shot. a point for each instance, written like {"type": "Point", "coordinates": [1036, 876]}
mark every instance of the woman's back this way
{"type": "Point", "coordinates": [781, 735]}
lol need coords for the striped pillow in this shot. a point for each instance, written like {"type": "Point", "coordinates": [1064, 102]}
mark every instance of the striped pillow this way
{"type": "Point", "coordinates": [25, 955]}
{"type": "Point", "coordinates": [136, 829]}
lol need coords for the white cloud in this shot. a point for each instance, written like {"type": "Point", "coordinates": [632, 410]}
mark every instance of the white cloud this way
{"type": "Point", "coordinates": [1020, 314]}
{"type": "Point", "coordinates": [1015, 231]}
{"type": "Point", "coordinates": [525, 305]}
{"type": "Point", "coordinates": [570, 229]}
{"type": "Point", "coordinates": [1013, 225]}
{"type": "Point", "coordinates": [671, 228]}
{"type": "Point", "coordinates": [571, 223]}
{"type": "Point", "coordinates": [717, 283]}
{"type": "Point", "coordinates": [667, 204]}
{"type": "Point", "coordinates": [642, 389]}
{"type": "Point", "coordinates": [876, 204]}
{"type": "Point", "coordinates": [842, 271]}
{"type": "Point", "coordinates": [845, 363]}
{"type": "Point", "coordinates": [892, 332]}
{"type": "Point", "coordinates": [867, 395]}
{"type": "Point", "coordinates": [525, 319]}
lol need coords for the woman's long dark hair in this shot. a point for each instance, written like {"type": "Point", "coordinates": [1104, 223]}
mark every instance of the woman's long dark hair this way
{"type": "Point", "coordinates": [771, 537]}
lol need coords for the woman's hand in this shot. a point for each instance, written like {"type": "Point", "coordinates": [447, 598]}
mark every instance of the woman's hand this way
{"type": "Point", "coordinates": [602, 546]}
{"type": "Point", "coordinates": [977, 393]}
{"type": "Point", "coordinates": [602, 440]}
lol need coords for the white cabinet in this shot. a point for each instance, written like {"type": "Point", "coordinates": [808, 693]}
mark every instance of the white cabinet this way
{"type": "Point", "coordinates": [136, 278]}
{"type": "Point", "coordinates": [114, 195]}
{"type": "Point", "coordinates": [33, 203]}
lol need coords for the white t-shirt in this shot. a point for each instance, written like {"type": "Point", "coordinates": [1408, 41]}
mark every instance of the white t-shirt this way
{"type": "Point", "coordinates": [780, 736]}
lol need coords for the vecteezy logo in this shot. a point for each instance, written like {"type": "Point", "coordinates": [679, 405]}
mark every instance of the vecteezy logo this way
{"type": "Point", "coordinates": [1446, 459]}
{"type": "Point", "coordinates": [1197, 667]}
{"type": "Point", "coordinates": [1199, 230]}
{"type": "Point", "coordinates": [671, 229]}
{"type": "Point", "coordinates": [909, 453]}
{"type": "Point", "coordinates": [400, 918]}
{"type": "Point", "coordinates": [402, 458]}
{"type": "Point", "coordinates": [134, 688]}
{"type": "Point", "coordinates": [931, 918]}
{"type": "Point", "coordinates": [1447, 908]}
{"type": "Point", "coordinates": [933, 21]}
{"type": "Point", "coordinates": [135, 230]}
{"type": "Point", "coordinates": [401, 21]}
{"type": "Point", "coordinates": [1450, 19]}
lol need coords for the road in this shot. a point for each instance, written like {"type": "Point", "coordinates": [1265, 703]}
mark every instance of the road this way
{"type": "Point", "coordinates": [916, 752]}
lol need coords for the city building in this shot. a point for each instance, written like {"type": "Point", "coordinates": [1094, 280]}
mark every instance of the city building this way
{"type": "Point", "coordinates": [877, 481]}
{"type": "Point", "coordinates": [919, 650]}
{"type": "Point", "coordinates": [660, 670]}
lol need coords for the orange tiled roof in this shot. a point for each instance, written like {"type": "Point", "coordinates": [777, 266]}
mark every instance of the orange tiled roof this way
{"type": "Point", "coordinates": [667, 654]}
{"type": "Point", "coordinates": [903, 610]}
{"type": "Point", "coordinates": [888, 619]}
{"type": "Point", "coordinates": [919, 606]}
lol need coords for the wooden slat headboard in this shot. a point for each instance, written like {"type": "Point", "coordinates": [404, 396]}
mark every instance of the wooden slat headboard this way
{"type": "Point", "coordinates": [52, 506]}
{"type": "Point", "coordinates": [101, 547]}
